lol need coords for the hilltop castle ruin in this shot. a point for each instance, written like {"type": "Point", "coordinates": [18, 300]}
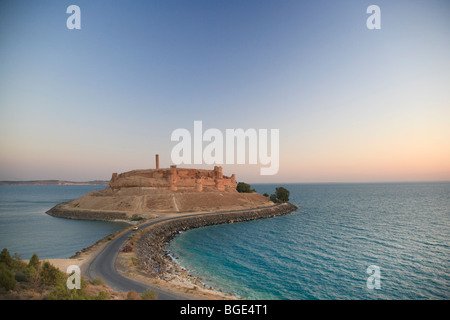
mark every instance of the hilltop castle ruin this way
{"type": "Point", "coordinates": [158, 192]}
{"type": "Point", "coordinates": [175, 179]}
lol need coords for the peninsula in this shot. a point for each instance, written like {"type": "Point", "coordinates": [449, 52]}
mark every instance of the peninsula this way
{"type": "Point", "coordinates": [150, 193]}
{"type": "Point", "coordinates": [165, 201]}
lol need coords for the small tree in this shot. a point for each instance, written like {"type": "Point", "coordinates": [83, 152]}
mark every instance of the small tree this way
{"type": "Point", "coordinates": [243, 187]}
{"type": "Point", "coordinates": [50, 275]}
{"type": "Point", "coordinates": [7, 280]}
{"type": "Point", "coordinates": [5, 258]}
{"type": "Point", "coordinates": [34, 261]}
{"type": "Point", "coordinates": [273, 198]}
{"type": "Point", "coordinates": [33, 276]}
{"type": "Point", "coordinates": [282, 194]}
{"type": "Point", "coordinates": [18, 263]}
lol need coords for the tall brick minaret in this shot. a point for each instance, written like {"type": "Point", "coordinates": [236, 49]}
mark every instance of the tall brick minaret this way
{"type": "Point", "coordinates": [157, 161]}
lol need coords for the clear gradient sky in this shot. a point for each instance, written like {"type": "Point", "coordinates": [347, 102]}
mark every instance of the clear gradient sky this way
{"type": "Point", "coordinates": [351, 104]}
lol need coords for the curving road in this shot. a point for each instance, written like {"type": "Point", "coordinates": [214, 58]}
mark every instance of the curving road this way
{"type": "Point", "coordinates": [103, 265]}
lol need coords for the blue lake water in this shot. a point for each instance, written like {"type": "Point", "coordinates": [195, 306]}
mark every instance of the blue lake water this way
{"type": "Point", "coordinates": [25, 228]}
{"type": "Point", "coordinates": [323, 250]}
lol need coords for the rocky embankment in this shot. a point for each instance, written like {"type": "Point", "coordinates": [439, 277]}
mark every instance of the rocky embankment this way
{"type": "Point", "coordinates": [62, 210]}
{"type": "Point", "coordinates": [152, 256]}
{"type": "Point", "coordinates": [126, 203]}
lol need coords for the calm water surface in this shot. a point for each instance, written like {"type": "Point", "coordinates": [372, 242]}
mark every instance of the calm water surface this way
{"type": "Point", "coordinates": [323, 250]}
{"type": "Point", "coordinates": [25, 228]}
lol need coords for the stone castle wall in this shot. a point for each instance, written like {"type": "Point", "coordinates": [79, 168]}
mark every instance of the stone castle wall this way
{"type": "Point", "coordinates": [175, 179]}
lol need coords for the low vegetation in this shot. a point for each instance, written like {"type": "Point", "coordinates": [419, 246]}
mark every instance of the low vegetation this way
{"type": "Point", "coordinates": [243, 187]}
{"type": "Point", "coordinates": [136, 218]}
{"type": "Point", "coordinates": [42, 280]}
{"type": "Point", "coordinates": [281, 194]}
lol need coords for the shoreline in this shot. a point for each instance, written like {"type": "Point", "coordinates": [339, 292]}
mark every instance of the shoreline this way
{"type": "Point", "coordinates": [150, 263]}
{"type": "Point", "coordinates": [155, 261]}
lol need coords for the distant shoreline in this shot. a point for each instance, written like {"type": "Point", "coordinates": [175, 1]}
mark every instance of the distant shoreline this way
{"type": "Point", "coordinates": [54, 183]}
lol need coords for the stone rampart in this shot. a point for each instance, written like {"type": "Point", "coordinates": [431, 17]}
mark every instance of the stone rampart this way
{"type": "Point", "coordinates": [174, 178]}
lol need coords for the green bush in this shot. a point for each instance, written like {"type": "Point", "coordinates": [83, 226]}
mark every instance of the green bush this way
{"type": "Point", "coordinates": [273, 198]}
{"type": "Point", "coordinates": [5, 258]}
{"type": "Point", "coordinates": [34, 262]}
{"type": "Point", "coordinates": [244, 188]}
{"type": "Point", "coordinates": [33, 275]}
{"type": "Point", "coordinates": [11, 270]}
{"type": "Point", "coordinates": [102, 295]}
{"type": "Point", "coordinates": [49, 275]}
{"type": "Point", "coordinates": [7, 280]}
{"type": "Point", "coordinates": [18, 264]}
{"type": "Point", "coordinates": [61, 292]}
{"type": "Point", "coordinates": [43, 275]}
{"type": "Point", "coordinates": [282, 194]}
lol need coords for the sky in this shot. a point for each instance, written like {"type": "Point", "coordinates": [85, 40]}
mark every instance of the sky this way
{"type": "Point", "coordinates": [351, 104]}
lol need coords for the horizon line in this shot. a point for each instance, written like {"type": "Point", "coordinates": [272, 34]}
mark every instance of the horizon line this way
{"type": "Point", "coordinates": [298, 182]}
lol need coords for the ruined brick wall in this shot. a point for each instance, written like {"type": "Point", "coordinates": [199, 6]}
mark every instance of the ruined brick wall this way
{"type": "Point", "coordinates": [175, 179]}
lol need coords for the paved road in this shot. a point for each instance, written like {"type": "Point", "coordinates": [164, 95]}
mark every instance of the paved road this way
{"type": "Point", "coordinates": [103, 266]}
